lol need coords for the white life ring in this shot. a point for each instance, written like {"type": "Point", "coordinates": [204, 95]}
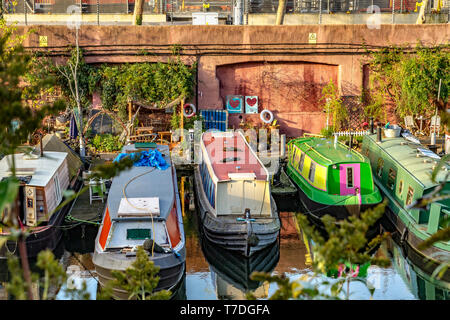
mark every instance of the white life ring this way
{"type": "Point", "coordinates": [190, 105]}
{"type": "Point", "coordinates": [263, 118]}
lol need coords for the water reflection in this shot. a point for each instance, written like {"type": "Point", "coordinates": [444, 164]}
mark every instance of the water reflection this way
{"type": "Point", "coordinates": [230, 271]}
{"type": "Point", "coordinates": [421, 284]}
{"type": "Point", "coordinates": [215, 273]}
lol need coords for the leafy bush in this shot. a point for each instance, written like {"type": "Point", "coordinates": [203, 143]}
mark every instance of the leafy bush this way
{"type": "Point", "coordinates": [106, 143]}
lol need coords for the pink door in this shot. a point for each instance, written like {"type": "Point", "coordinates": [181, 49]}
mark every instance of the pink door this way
{"type": "Point", "coordinates": [350, 179]}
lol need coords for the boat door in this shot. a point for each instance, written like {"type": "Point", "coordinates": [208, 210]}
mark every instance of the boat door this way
{"type": "Point", "coordinates": [350, 179]}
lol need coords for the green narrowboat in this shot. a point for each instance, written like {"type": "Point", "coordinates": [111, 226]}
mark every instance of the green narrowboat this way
{"type": "Point", "coordinates": [402, 170]}
{"type": "Point", "coordinates": [332, 178]}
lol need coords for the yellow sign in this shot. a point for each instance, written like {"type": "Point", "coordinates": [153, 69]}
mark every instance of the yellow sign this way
{"type": "Point", "coordinates": [43, 41]}
{"type": "Point", "coordinates": [312, 38]}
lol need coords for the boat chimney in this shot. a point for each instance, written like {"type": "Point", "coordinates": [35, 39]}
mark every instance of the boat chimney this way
{"type": "Point", "coordinates": [378, 134]}
{"type": "Point", "coordinates": [371, 125]}
{"type": "Point", "coordinates": [40, 145]}
{"type": "Point", "coordinates": [350, 145]}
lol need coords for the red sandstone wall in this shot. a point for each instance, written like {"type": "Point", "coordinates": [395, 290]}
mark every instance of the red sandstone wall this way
{"type": "Point", "coordinates": [215, 47]}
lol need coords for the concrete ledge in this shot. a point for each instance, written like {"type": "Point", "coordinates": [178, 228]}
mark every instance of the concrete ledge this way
{"type": "Point", "coordinates": [89, 18]}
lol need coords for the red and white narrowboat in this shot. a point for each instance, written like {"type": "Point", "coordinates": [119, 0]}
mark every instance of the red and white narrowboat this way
{"type": "Point", "coordinates": [234, 200]}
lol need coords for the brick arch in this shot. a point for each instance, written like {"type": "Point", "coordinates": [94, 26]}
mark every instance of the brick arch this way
{"type": "Point", "coordinates": [290, 89]}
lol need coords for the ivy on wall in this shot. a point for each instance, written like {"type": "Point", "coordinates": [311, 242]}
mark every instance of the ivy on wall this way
{"type": "Point", "coordinates": [156, 84]}
{"type": "Point", "coordinates": [409, 80]}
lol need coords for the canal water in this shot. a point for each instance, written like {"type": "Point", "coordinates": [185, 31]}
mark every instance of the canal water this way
{"type": "Point", "coordinates": [213, 273]}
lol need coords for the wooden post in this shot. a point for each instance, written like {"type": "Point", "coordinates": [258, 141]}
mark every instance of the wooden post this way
{"type": "Point", "coordinates": [129, 110]}
{"type": "Point", "coordinates": [182, 119]}
{"type": "Point", "coordinates": [182, 194]}
{"type": "Point", "coordinates": [138, 10]}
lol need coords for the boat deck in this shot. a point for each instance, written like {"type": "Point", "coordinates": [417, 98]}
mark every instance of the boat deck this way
{"type": "Point", "coordinates": [232, 148]}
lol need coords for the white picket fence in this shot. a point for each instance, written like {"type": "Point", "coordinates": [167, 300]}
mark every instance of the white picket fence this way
{"type": "Point", "coordinates": [351, 133]}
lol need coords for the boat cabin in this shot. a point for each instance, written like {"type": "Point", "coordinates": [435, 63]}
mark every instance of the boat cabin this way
{"type": "Point", "coordinates": [330, 167]}
{"type": "Point", "coordinates": [42, 182]}
{"type": "Point", "coordinates": [403, 169]}
{"type": "Point", "coordinates": [233, 178]}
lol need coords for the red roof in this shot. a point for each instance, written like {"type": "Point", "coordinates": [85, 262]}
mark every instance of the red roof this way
{"type": "Point", "coordinates": [236, 153]}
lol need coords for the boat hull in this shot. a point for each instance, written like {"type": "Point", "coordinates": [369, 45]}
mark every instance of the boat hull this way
{"type": "Point", "coordinates": [231, 234]}
{"type": "Point", "coordinates": [236, 270]}
{"type": "Point", "coordinates": [409, 242]}
{"type": "Point", "coordinates": [315, 211]}
{"type": "Point", "coordinates": [171, 272]}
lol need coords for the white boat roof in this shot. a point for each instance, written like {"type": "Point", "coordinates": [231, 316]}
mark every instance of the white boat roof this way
{"type": "Point", "coordinates": [144, 183]}
{"type": "Point", "coordinates": [44, 167]}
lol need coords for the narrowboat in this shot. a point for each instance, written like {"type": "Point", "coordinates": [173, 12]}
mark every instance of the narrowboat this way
{"type": "Point", "coordinates": [331, 178]}
{"type": "Point", "coordinates": [402, 170]}
{"type": "Point", "coordinates": [235, 270]}
{"type": "Point", "coordinates": [43, 179]}
{"type": "Point", "coordinates": [233, 195]}
{"type": "Point", "coordinates": [143, 209]}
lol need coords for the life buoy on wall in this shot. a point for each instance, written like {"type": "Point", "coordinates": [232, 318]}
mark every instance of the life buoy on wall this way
{"type": "Point", "coordinates": [192, 107]}
{"type": "Point", "coordinates": [263, 117]}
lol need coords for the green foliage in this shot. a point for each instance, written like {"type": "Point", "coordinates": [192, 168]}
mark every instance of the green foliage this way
{"type": "Point", "coordinates": [79, 294]}
{"type": "Point", "coordinates": [106, 143]}
{"type": "Point", "coordinates": [139, 280]}
{"type": "Point", "coordinates": [8, 191]}
{"type": "Point", "coordinates": [327, 132]}
{"type": "Point", "coordinates": [411, 81]}
{"type": "Point", "coordinates": [53, 272]}
{"type": "Point", "coordinates": [346, 243]}
{"type": "Point", "coordinates": [188, 123]}
{"type": "Point", "coordinates": [14, 65]}
{"type": "Point", "coordinates": [332, 104]}
{"type": "Point", "coordinates": [156, 83]}
{"type": "Point", "coordinates": [288, 289]}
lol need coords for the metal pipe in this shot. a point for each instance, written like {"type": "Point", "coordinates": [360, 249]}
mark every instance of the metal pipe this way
{"type": "Point", "coordinates": [371, 125]}
{"type": "Point", "coordinates": [283, 146]}
{"type": "Point", "coordinates": [378, 134]}
{"type": "Point", "coordinates": [98, 12]}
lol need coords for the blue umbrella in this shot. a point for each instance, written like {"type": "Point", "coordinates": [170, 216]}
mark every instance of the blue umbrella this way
{"type": "Point", "coordinates": [73, 128]}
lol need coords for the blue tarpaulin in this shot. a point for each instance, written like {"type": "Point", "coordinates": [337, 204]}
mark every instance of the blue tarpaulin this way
{"type": "Point", "coordinates": [150, 158]}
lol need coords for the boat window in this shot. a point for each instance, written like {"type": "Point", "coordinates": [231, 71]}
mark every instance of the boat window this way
{"type": "Point", "coordinates": [350, 177]}
{"type": "Point", "coordinates": [400, 187]}
{"type": "Point", "coordinates": [231, 159]}
{"type": "Point", "coordinates": [138, 234]}
{"type": "Point", "coordinates": [57, 188]}
{"type": "Point", "coordinates": [312, 171]}
{"type": "Point", "coordinates": [409, 196]}
{"type": "Point", "coordinates": [302, 161]}
{"type": "Point", "coordinates": [380, 167]}
{"type": "Point", "coordinates": [391, 178]}
{"type": "Point", "coordinates": [297, 157]}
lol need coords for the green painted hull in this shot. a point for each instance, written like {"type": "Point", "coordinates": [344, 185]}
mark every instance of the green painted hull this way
{"type": "Point", "coordinates": [327, 199]}
{"type": "Point", "coordinates": [396, 163]}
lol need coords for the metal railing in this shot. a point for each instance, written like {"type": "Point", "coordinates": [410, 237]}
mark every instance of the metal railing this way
{"type": "Point", "coordinates": [178, 7]}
